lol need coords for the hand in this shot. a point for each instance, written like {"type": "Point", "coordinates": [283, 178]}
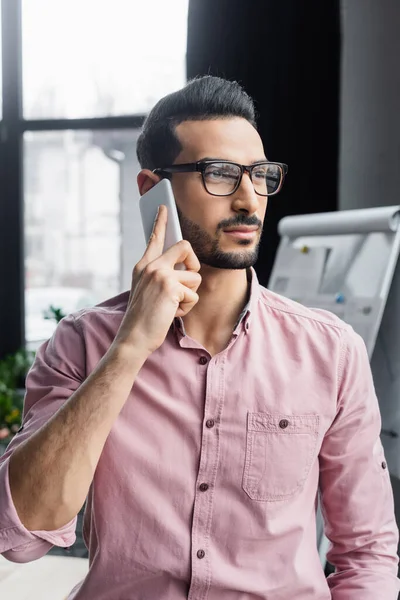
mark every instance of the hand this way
{"type": "Point", "coordinates": [159, 292]}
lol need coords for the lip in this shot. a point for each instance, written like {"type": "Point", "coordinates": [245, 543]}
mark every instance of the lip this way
{"type": "Point", "coordinates": [242, 229]}
{"type": "Point", "coordinates": [242, 232]}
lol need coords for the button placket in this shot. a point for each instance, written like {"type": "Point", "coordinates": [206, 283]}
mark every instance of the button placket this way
{"type": "Point", "coordinates": [205, 485]}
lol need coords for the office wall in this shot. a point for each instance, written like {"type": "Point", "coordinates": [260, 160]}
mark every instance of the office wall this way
{"type": "Point", "coordinates": [369, 164]}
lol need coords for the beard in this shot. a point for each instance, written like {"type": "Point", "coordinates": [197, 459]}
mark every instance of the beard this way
{"type": "Point", "coordinates": [207, 248]}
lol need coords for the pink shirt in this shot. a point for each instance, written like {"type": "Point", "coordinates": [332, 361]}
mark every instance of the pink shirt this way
{"type": "Point", "coordinates": [207, 485]}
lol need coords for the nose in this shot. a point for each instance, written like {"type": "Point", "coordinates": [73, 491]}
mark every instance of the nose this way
{"type": "Point", "coordinates": [245, 199]}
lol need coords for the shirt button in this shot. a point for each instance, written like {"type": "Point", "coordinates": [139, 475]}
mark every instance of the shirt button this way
{"type": "Point", "coordinates": [200, 554]}
{"type": "Point", "coordinates": [384, 465]}
{"type": "Point", "coordinates": [210, 423]}
{"type": "Point", "coordinates": [203, 360]}
{"type": "Point", "coordinates": [203, 487]}
{"type": "Point", "coordinates": [283, 423]}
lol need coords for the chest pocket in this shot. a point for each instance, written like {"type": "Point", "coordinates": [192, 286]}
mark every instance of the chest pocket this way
{"type": "Point", "coordinates": [279, 453]}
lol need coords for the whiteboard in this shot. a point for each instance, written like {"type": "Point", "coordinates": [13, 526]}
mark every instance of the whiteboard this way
{"type": "Point", "coordinates": [343, 262]}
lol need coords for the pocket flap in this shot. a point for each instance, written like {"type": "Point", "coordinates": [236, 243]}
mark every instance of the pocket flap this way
{"type": "Point", "coordinates": [284, 424]}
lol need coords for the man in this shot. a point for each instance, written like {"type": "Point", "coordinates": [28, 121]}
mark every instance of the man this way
{"type": "Point", "coordinates": [200, 413]}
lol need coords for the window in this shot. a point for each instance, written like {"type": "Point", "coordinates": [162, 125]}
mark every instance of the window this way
{"type": "Point", "coordinates": [85, 64]}
{"type": "Point", "coordinates": [85, 58]}
{"type": "Point", "coordinates": [83, 233]}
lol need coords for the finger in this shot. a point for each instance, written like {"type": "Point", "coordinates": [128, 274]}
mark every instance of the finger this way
{"type": "Point", "coordinates": [155, 246]}
{"type": "Point", "coordinates": [189, 279]}
{"type": "Point", "coordinates": [190, 299]}
{"type": "Point", "coordinates": [182, 252]}
{"type": "Point", "coordinates": [155, 242]}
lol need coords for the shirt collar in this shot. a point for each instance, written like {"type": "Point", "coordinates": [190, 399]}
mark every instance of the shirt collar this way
{"type": "Point", "coordinates": [245, 317]}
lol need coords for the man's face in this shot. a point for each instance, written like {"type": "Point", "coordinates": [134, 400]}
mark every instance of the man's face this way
{"type": "Point", "coordinates": [206, 219]}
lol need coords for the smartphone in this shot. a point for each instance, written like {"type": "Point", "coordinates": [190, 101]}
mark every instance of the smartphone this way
{"type": "Point", "coordinates": [160, 194]}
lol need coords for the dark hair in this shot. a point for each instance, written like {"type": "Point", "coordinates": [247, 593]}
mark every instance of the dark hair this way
{"type": "Point", "coordinates": [201, 99]}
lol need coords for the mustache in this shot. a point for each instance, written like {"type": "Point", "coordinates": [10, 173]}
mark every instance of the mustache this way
{"type": "Point", "coordinates": [240, 220]}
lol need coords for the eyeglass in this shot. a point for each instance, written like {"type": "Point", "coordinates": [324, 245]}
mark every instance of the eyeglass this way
{"type": "Point", "coordinates": [223, 178]}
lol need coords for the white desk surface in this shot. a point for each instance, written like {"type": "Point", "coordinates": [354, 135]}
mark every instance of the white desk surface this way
{"type": "Point", "coordinates": [49, 578]}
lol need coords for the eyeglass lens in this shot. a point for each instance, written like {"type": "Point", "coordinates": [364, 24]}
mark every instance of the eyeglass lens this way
{"type": "Point", "coordinates": [221, 178]}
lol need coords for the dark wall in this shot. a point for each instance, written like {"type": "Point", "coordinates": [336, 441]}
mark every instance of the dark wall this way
{"type": "Point", "coordinates": [286, 54]}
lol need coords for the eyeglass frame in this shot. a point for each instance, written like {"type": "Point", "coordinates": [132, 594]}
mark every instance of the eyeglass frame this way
{"type": "Point", "coordinates": [201, 165]}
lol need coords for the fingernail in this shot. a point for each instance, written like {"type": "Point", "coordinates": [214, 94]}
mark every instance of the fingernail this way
{"type": "Point", "coordinates": [158, 211]}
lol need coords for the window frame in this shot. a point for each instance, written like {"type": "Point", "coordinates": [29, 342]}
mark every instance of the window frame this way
{"type": "Point", "coordinates": [12, 129]}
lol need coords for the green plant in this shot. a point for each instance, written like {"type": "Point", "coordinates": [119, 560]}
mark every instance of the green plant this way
{"type": "Point", "coordinates": [13, 370]}
{"type": "Point", "coordinates": [54, 314]}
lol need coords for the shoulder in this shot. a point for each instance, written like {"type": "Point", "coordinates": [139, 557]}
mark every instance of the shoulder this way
{"type": "Point", "coordinates": [318, 326]}
{"type": "Point", "coordinates": [112, 307]}
{"type": "Point", "coordinates": [281, 306]}
{"type": "Point", "coordinates": [96, 323]}
{"type": "Point", "coordinates": [312, 332]}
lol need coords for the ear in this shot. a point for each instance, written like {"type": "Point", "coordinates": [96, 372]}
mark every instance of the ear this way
{"type": "Point", "coordinates": [146, 179]}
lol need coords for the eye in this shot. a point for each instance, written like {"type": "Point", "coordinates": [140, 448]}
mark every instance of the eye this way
{"type": "Point", "coordinates": [221, 172]}
{"type": "Point", "coordinates": [260, 173]}
{"type": "Point", "coordinates": [214, 173]}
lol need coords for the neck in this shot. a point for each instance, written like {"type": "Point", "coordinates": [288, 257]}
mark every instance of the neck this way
{"type": "Point", "coordinates": [223, 295]}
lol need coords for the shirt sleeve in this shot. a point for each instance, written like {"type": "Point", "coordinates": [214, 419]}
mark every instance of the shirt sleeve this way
{"type": "Point", "coordinates": [357, 499]}
{"type": "Point", "coordinates": [58, 370]}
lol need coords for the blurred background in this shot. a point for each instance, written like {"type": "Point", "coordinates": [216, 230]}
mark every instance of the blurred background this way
{"type": "Point", "coordinates": [67, 160]}
{"type": "Point", "coordinates": [77, 79]}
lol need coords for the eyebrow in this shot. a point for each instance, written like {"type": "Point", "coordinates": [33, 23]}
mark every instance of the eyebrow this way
{"type": "Point", "coordinates": [227, 160]}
